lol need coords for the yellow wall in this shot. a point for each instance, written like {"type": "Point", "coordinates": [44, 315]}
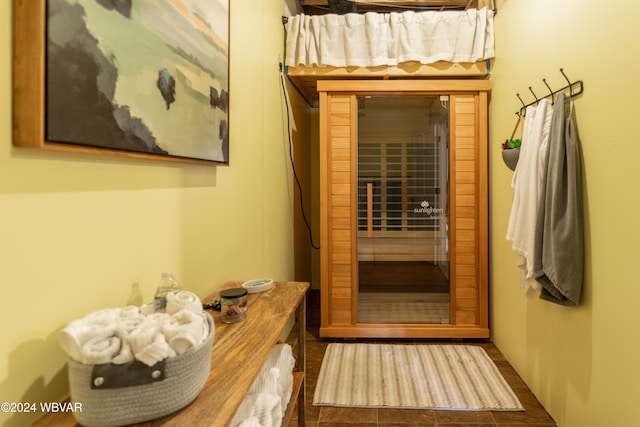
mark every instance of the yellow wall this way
{"type": "Point", "coordinates": [80, 233]}
{"type": "Point", "coordinates": [315, 195]}
{"type": "Point", "coordinates": [580, 362]}
{"type": "Point", "coordinates": [301, 150]}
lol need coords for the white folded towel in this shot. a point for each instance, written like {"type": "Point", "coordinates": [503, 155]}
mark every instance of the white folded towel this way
{"type": "Point", "coordinates": [266, 382]}
{"type": "Point", "coordinates": [269, 393]}
{"type": "Point", "coordinates": [281, 357]}
{"type": "Point", "coordinates": [156, 351]}
{"type": "Point", "coordinates": [250, 422]}
{"type": "Point", "coordinates": [184, 330]}
{"type": "Point", "coordinates": [265, 408]}
{"type": "Point", "coordinates": [177, 301]}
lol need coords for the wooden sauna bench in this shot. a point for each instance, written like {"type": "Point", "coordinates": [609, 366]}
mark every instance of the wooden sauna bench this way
{"type": "Point", "coordinates": [239, 352]}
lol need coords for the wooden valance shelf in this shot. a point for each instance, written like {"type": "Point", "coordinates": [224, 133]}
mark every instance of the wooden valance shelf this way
{"type": "Point", "coordinates": [363, 6]}
{"type": "Point", "coordinates": [305, 79]}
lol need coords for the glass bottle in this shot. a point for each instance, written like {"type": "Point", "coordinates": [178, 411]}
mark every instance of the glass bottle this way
{"type": "Point", "coordinates": [167, 284]}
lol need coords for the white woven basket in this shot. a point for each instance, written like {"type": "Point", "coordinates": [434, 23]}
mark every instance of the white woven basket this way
{"type": "Point", "coordinates": [175, 383]}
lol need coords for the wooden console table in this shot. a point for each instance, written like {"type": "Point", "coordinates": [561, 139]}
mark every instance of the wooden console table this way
{"type": "Point", "coordinates": [239, 352]}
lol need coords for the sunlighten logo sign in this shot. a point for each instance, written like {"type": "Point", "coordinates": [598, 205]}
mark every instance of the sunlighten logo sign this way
{"type": "Point", "coordinates": [427, 209]}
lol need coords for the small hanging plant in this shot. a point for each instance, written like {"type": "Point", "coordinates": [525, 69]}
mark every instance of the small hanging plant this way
{"type": "Point", "coordinates": [511, 143]}
{"type": "Point", "coordinates": [511, 152]}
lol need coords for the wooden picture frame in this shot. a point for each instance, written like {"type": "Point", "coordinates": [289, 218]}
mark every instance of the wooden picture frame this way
{"type": "Point", "coordinates": [141, 79]}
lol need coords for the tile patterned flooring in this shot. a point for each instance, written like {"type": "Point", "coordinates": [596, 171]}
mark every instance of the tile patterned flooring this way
{"type": "Point", "coordinates": [533, 416]}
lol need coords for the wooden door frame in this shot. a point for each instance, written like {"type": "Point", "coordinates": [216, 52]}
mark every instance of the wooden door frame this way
{"type": "Point", "coordinates": [475, 325]}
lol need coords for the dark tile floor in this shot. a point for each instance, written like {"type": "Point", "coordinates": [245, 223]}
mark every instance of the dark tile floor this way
{"type": "Point", "coordinates": [533, 416]}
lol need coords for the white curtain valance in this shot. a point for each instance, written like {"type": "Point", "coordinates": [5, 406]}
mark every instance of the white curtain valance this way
{"type": "Point", "coordinates": [373, 39]}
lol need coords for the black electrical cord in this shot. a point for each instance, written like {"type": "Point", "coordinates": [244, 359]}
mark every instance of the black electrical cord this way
{"type": "Point", "coordinates": [293, 166]}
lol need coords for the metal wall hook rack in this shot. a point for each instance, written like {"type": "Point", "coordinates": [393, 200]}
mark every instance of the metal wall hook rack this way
{"type": "Point", "coordinates": [578, 85]}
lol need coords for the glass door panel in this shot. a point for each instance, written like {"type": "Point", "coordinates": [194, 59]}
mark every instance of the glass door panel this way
{"type": "Point", "coordinates": [403, 206]}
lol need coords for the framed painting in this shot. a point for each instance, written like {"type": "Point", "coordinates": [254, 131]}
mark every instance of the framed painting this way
{"type": "Point", "coordinates": [143, 78]}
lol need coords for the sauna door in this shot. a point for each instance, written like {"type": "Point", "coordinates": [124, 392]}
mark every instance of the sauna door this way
{"type": "Point", "coordinates": [402, 213]}
{"type": "Point", "coordinates": [378, 206]}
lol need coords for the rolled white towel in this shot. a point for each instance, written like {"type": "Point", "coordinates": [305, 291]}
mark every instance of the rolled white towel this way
{"type": "Point", "coordinates": [129, 311]}
{"type": "Point", "coordinates": [125, 355]}
{"type": "Point", "coordinates": [73, 336]}
{"type": "Point", "coordinates": [156, 351]}
{"type": "Point", "coordinates": [143, 335]}
{"type": "Point", "coordinates": [100, 349]}
{"type": "Point", "coordinates": [128, 324]}
{"type": "Point", "coordinates": [147, 308]}
{"type": "Point", "coordinates": [177, 301]}
{"type": "Point", "coordinates": [102, 317]}
{"type": "Point", "coordinates": [183, 342]}
{"type": "Point", "coordinates": [120, 335]}
{"type": "Point", "coordinates": [77, 333]}
{"type": "Point", "coordinates": [157, 317]}
{"type": "Point", "coordinates": [185, 330]}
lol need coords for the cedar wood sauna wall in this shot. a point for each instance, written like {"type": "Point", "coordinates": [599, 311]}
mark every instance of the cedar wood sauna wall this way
{"type": "Point", "coordinates": [468, 100]}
